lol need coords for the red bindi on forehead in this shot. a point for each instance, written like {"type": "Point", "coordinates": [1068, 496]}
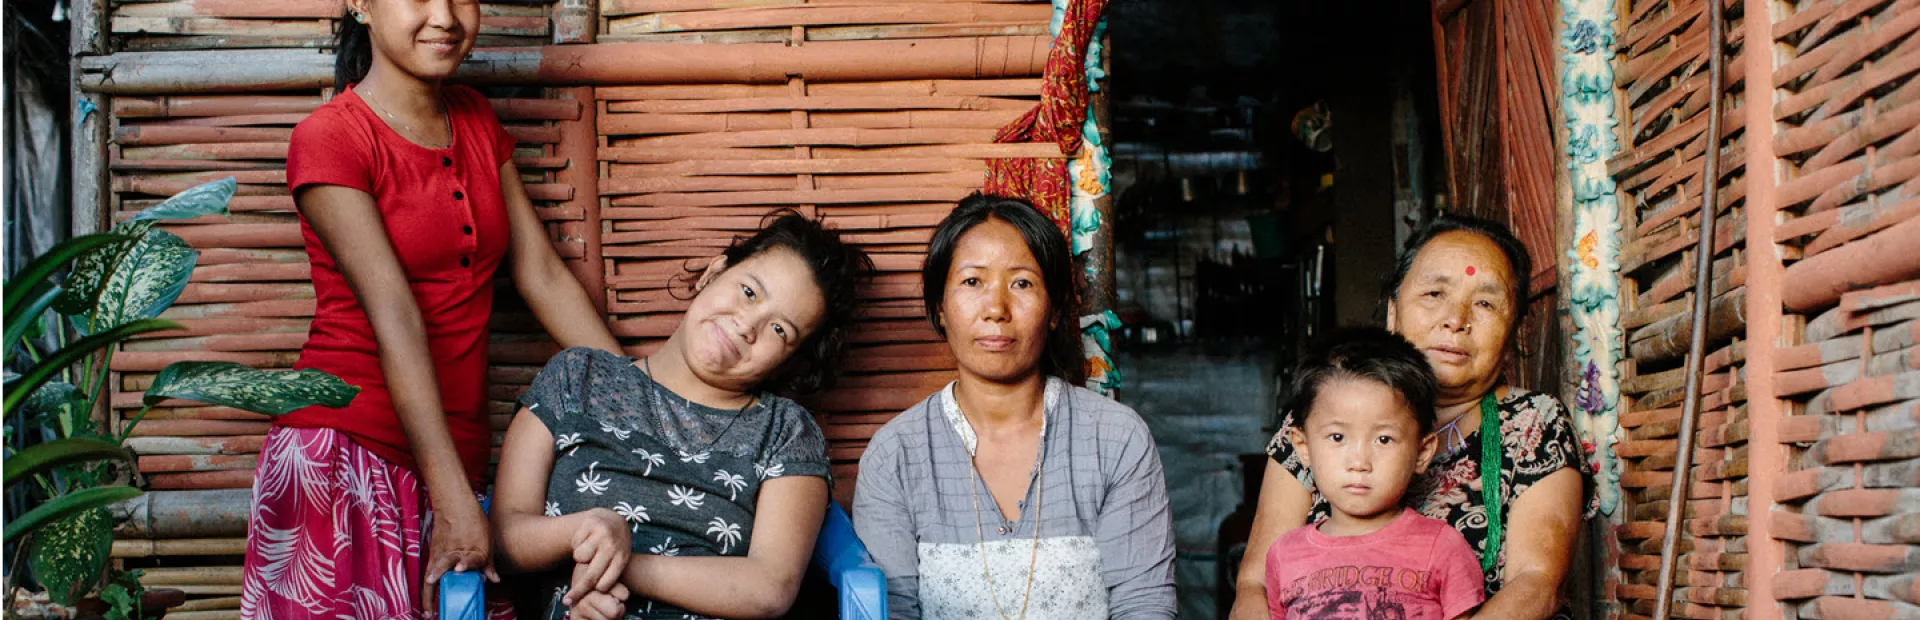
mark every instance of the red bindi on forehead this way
{"type": "Point", "coordinates": [1471, 270]}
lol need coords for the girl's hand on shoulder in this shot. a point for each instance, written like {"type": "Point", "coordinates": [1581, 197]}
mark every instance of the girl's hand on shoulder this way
{"type": "Point", "coordinates": [601, 546]}
{"type": "Point", "coordinates": [597, 605]}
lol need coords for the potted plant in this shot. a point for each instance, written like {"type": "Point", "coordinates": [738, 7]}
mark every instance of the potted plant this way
{"type": "Point", "coordinates": [59, 458]}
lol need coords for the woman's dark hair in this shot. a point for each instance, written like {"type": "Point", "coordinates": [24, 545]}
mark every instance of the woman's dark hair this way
{"type": "Point", "coordinates": [352, 51]}
{"type": "Point", "coordinates": [838, 270]}
{"type": "Point", "coordinates": [1062, 356]}
{"type": "Point", "coordinates": [1367, 353]}
{"type": "Point", "coordinates": [1518, 261]}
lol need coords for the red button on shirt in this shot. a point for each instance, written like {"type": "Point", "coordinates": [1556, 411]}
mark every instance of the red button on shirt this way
{"type": "Point", "coordinates": [449, 243]}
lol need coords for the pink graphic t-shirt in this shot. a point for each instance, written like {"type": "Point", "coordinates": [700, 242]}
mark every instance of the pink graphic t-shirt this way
{"type": "Point", "coordinates": [1415, 568]}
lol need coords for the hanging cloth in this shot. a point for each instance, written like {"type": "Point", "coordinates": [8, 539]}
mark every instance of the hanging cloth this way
{"type": "Point", "coordinates": [1057, 119]}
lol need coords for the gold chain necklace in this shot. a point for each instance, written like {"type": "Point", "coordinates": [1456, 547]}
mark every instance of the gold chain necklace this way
{"type": "Point", "coordinates": [403, 124]}
{"type": "Point", "coordinates": [973, 494]}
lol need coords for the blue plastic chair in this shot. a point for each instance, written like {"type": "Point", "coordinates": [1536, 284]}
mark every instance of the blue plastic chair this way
{"type": "Point", "coordinates": [838, 552]}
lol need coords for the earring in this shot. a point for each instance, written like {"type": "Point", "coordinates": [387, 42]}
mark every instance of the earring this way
{"type": "Point", "coordinates": [359, 16]}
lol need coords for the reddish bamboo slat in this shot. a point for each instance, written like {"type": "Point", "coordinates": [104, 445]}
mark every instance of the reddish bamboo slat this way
{"type": "Point", "coordinates": [315, 29]}
{"type": "Point", "coordinates": [797, 167]}
{"type": "Point", "coordinates": [628, 7]}
{"type": "Point", "coordinates": [828, 15]}
{"type": "Point", "coordinates": [212, 151]}
{"type": "Point", "coordinates": [319, 9]}
{"type": "Point", "coordinates": [195, 445]}
{"type": "Point", "coordinates": [818, 103]}
{"type": "Point", "coordinates": [142, 135]}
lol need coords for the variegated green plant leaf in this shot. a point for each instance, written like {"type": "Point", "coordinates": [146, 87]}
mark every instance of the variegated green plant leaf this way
{"type": "Point", "coordinates": [61, 406]}
{"type": "Point", "coordinates": [65, 507]}
{"type": "Point", "coordinates": [52, 398]}
{"type": "Point", "coordinates": [18, 388]}
{"type": "Point", "coordinates": [270, 392]}
{"type": "Point", "coordinates": [91, 270]}
{"type": "Point", "coordinates": [69, 555]}
{"type": "Point", "coordinates": [25, 286]}
{"type": "Point", "coordinates": [151, 276]}
{"type": "Point", "coordinates": [208, 198]}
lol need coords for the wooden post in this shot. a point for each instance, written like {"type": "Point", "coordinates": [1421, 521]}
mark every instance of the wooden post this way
{"type": "Point", "coordinates": [1767, 455]}
{"type": "Point", "coordinates": [90, 121]}
{"type": "Point", "coordinates": [1592, 561]}
{"type": "Point", "coordinates": [1100, 295]}
{"type": "Point", "coordinates": [579, 145]}
{"type": "Point", "coordinates": [1702, 301]}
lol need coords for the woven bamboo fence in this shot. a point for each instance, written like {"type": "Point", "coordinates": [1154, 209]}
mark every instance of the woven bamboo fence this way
{"type": "Point", "coordinates": [1847, 108]}
{"type": "Point", "coordinates": [688, 166]}
{"type": "Point", "coordinates": [636, 181]}
{"type": "Point", "coordinates": [1839, 182]}
{"type": "Point", "coordinates": [1662, 73]}
{"type": "Point", "coordinates": [170, 25]}
{"type": "Point", "coordinates": [774, 21]}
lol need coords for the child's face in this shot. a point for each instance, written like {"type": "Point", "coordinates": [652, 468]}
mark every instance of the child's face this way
{"type": "Point", "coordinates": [749, 318]}
{"type": "Point", "coordinates": [1364, 446]}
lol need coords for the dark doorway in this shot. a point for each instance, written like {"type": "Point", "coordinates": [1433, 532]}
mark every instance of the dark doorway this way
{"type": "Point", "coordinates": [1256, 145]}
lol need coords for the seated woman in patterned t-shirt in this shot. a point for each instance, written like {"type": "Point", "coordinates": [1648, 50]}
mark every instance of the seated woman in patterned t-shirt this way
{"type": "Point", "coordinates": [675, 485]}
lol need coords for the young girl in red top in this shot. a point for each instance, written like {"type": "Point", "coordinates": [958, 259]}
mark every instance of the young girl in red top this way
{"type": "Point", "coordinates": [409, 201]}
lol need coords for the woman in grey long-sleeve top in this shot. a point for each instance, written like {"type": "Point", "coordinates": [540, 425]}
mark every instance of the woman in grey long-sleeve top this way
{"type": "Point", "coordinates": [1012, 493]}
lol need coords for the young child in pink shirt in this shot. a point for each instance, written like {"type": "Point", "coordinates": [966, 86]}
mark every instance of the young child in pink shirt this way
{"type": "Point", "coordinates": [1363, 405]}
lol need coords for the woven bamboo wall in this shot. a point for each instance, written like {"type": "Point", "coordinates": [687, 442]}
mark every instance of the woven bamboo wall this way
{"type": "Point", "coordinates": [1847, 108]}
{"type": "Point", "coordinates": [170, 25]}
{"type": "Point", "coordinates": [774, 21]}
{"type": "Point", "coordinates": [634, 182]}
{"type": "Point", "coordinates": [1662, 73]}
{"type": "Point", "coordinates": [689, 166]}
{"type": "Point", "coordinates": [1840, 182]}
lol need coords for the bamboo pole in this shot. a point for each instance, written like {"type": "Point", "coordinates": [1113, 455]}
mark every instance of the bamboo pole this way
{"type": "Point", "coordinates": [198, 575]}
{"type": "Point", "coordinates": [226, 71]}
{"type": "Point", "coordinates": [211, 614]}
{"type": "Point", "coordinates": [185, 514]}
{"type": "Point", "coordinates": [145, 548]}
{"type": "Point", "coordinates": [285, 9]}
{"type": "Point", "coordinates": [1702, 297]}
{"type": "Point", "coordinates": [207, 604]}
{"type": "Point", "coordinates": [818, 15]}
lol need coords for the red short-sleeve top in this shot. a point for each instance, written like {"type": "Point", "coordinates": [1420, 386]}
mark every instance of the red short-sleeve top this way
{"type": "Point", "coordinates": [447, 221]}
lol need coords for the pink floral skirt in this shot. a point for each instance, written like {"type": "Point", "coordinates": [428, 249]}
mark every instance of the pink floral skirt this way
{"type": "Point", "coordinates": [336, 532]}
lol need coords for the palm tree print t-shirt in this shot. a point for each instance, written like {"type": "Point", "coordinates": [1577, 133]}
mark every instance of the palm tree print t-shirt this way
{"type": "Point", "coordinates": [685, 476]}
